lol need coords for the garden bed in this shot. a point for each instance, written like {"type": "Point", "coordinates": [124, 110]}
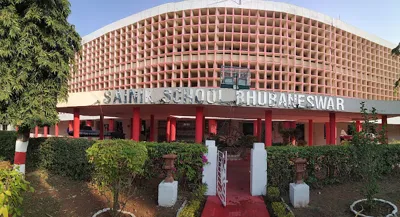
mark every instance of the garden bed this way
{"type": "Point", "coordinates": [335, 200]}
{"type": "Point", "coordinates": [57, 196]}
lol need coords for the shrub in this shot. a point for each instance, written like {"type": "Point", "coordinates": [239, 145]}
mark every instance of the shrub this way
{"type": "Point", "coordinates": [279, 209]}
{"type": "Point", "coordinates": [12, 185]}
{"type": "Point", "coordinates": [116, 163]}
{"type": "Point", "coordinates": [273, 194]}
{"type": "Point", "coordinates": [66, 157]}
{"type": "Point", "coordinates": [194, 205]}
{"type": "Point", "coordinates": [325, 164]}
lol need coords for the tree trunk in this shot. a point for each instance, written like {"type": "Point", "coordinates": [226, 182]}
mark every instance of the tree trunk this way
{"type": "Point", "coordinates": [21, 146]}
{"type": "Point", "coordinates": [115, 200]}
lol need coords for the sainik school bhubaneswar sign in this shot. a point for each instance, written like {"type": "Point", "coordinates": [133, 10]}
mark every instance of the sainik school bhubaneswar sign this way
{"type": "Point", "coordinates": [219, 96]}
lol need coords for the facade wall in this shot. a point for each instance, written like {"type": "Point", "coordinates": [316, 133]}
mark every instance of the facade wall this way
{"type": "Point", "coordinates": [284, 52]}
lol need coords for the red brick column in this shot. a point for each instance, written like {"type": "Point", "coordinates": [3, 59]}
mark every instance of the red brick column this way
{"type": "Point", "coordinates": [268, 128]}
{"type": "Point", "coordinates": [77, 123]}
{"type": "Point", "coordinates": [199, 124]}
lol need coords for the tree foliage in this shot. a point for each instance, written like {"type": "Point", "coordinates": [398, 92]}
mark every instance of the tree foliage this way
{"type": "Point", "coordinates": [396, 52]}
{"type": "Point", "coordinates": [37, 49]}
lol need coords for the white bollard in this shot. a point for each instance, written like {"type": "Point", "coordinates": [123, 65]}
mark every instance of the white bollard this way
{"type": "Point", "coordinates": [210, 169]}
{"type": "Point", "coordinates": [167, 193]}
{"type": "Point", "coordinates": [258, 169]}
{"type": "Point", "coordinates": [299, 195]}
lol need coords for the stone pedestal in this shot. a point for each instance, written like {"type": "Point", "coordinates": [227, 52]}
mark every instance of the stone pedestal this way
{"type": "Point", "coordinates": [210, 169]}
{"type": "Point", "coordinates": [299, 195]}
{"type": "Point", "coordinates": [167, 193]}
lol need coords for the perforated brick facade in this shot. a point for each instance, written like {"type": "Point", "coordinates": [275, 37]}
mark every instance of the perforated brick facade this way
{"type": "Point", "coordinates": [285, 52]}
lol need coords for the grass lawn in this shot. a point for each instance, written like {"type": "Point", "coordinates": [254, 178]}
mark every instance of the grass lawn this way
{"type": "Point", "coordinates": [335, 200]}
{"type": "Point", "coordinates": [57, 196]}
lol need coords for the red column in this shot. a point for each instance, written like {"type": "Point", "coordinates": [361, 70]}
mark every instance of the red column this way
{"type": "Point", "coordinates": [36, 131]}
{"type": "Point", "coordinates": [56, 130]}
{"type": "Point", "coordinates": [168, 134]}
{"type": "Point", "coordinates": [199, 124]}
{"type": "Point", "coordinates": [327, 133]}
{"type": "Point", "coordinates": [212, 127]}
{"type": "Point", "coordinates": [45, 131]}
{"type": "Point", "coordinates": [255, 128]}
{"type": "Point", "coordinates": [358, 126]}
{"type": "Point", "coordinates": [384, 127]}
{"type": "Point", "coordinates": [268, 128]}
{"type": "Point", "coordinates": [101, 136]}
{"type": "Point", "coordinates": [173, 129]}
{"type": "Point", "coordinates": [310, 133]}
{"type": "Point", "coordinates": [332, 127]}
{"type": "Point", "coordinates": [151, 138]}
{"type": "Point", "coordinates": [76, 123]}
{"type": "Point", "coordinates": [135, 126]}
{"type": "Point", "coordinates": [259, 129]}
{"type": "Point", "coordinates": [111, 125]}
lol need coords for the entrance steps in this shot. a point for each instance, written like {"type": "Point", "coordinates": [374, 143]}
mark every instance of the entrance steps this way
{"type": "Point", "coordinates": [239, 201]}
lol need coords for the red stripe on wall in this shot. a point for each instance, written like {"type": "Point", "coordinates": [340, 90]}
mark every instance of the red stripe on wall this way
{"type": "Point", "coordinates": [20, 158]}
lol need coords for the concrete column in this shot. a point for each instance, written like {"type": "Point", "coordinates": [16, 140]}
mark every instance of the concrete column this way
{"type": "Point", "coordinates": [212, 127]}
{"type": "Point", "coordinates": [310, 132]}
{"type": "Point", "coordinates": [258, 170]}
{"type": "Point", "coordinates": [210, 169]}
{"type": "Point", "coordinates": [268, 128]}
{"type": "Point", "coordinates": [36, 131]}
{"type": "Point", "coordinates": [199, 124]}
{"type": "Point", "coordinates": [56, 129]}
{"type": "Point", "coordinates": [135, 126]}
{"type": "Point", "coordinates": [358, 126]}
{"type": "Point", "coordinates": [151, 128]}
{"type": "Point", "coordinates": [332, 128]}
{"type": "Point", "coordinates": [111, 125]}
{"type": "Point", "coordinates": [45, 131]}
{"type": "Point", "coordinates": [384, 127]}
{"type": "Point", "coordinates": [328, 133]}
{"type": "Point", "coordinates": [173, 129]}
{"type": "Point", "coordinates": [77, 123]}
{"type": "Point", "coordinates": [101, 136]}
{"type": "Point", "coordinates": [168, 134]}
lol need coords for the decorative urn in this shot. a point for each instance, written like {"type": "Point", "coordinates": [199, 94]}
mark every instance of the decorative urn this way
{"type": "Point", "coordinates": [300, 166]}
{"type": "Point", "coordinates": [169, 166]}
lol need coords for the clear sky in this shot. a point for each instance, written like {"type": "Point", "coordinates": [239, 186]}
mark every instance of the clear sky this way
{"type": "Point", "coordinates": [379, 17]}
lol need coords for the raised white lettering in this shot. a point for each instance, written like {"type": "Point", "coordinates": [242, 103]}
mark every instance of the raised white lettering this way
{"type": "Point", "coordinates": [188, 96]}
{"type": "Point", "coordinates": [200, 95]}
{"type": "Point", "coordinates": [262, 98]}
{"type": "Point", "coordinates": [321, 102]}
{"type": "Point", "coordinates": [331, 105]}
{"type": "Point", "coordinates": [167, 96]}
{"type": "Point", "coordinates": [310, 102]}
{"type": "Point", "coordinates": [301, 101]}
{"type": "Point", "coordinates": [340, 104]}
{"type": "Point", "coordinates": [251, 96]}
{"type": "Point", "coordinates": [272, 99]}
{"type": "Point", "coordinates": [239, 98]}
{"type": "Point", "coordinates": [282, 100]}
{"type": "Point", "coordinates": [148, 98]}
{"type": "Point", "coordinates": [211, 96]}
{"type": "Point", "coordinates": [177, 96]}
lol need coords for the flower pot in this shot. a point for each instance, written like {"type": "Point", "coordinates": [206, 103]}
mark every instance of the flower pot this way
{"type": "Point", "coordinates": [107, 209]}
{"type": "Point", "coordinates": [356, 212]}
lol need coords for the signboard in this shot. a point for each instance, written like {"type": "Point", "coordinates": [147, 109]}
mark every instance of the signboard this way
{"type": "Point", "coordinates": [219, 96]}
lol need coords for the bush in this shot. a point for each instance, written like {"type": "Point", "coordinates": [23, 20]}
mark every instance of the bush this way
{"type": "Point", "coordinates": [273, 194]}
{"type": "Point", "coordinates": [12, 185]}
{"type": "Point", "coordinates": [116, 163]}
{"type": "Point", "coordinates": [325, 164]}
{"type": "Point", "coordinates": [7, 144]}
{"type": "Point", "coordinates": [194, 205]}
{"type": "Point", "coordinates": [279, 209]}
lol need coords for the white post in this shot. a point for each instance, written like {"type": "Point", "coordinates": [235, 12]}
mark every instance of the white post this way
{"type": "Point", "coordinates": [210, 169]}
{"type": "Point", "coordinates": [258, 168]}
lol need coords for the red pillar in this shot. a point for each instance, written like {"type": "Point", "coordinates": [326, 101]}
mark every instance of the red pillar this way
{"type": "Point", "coordinates": [310, 133]}
{"type": "Point", "coordinates": [327, 133]}
{"type": "Point", "coordinates": [173, 129]}
{"type": "Point", "coordinates": [151, 138]}
{"type": "Point", "coordinates": [212, 127]}
{"type": "Point", "coordinates": [168, 134]}
{"type": "Point", "coordinates": [384, 127]}
{"type": "Point", "coordinates": [36, 131]}
{"type": "Point", "coordinates": [332, 127]}
{"type": "Point", "coordinates": [45, 131]}
{"type": "Point", "coordinates": [76, 123]}
{"type": "Point", "coordinates": [135, 126]}
{"type": "Point", "coordinates": [101, 136]}
{"type": "Point", "coordinates": [199, 124]}
{"type": "Point", "coordinates": [358, 126]}
{"type": "Point", "coordinates": [111, 125]}
{"type": "Point", "coordinates": [259, 129]}
{"type": "Point", "coordinates": [268, 128]}
{"type": "Point", "coordinates": [56, 130]}
{"type": "Point", "coordinates": [255, 128]}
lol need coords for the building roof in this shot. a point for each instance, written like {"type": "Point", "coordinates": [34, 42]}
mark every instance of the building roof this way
{"type": "Point", "coordinates": [248, 4]}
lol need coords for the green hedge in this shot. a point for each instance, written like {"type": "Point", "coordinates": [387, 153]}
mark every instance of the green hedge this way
{"type": "Point", "coordinates": [325, 164]}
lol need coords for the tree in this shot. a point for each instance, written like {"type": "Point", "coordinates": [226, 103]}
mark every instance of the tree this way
{"type": "Point", "coordinates": [37, 51]}
{"type": "Point", "coordinates": [396, 52]}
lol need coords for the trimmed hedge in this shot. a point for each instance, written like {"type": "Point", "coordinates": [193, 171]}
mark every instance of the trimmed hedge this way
{"type": "Point", "coordinates": [67, 157]}
{"type": "Point", "coordinates": [325, 164]}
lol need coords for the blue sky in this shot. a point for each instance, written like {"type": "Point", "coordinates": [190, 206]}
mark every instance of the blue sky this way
{"type": "Point", "coordinates": [379, 17]}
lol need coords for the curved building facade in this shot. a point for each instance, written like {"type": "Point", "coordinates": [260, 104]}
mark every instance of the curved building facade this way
{"type": "Point", "coordinates": [166, 62]}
